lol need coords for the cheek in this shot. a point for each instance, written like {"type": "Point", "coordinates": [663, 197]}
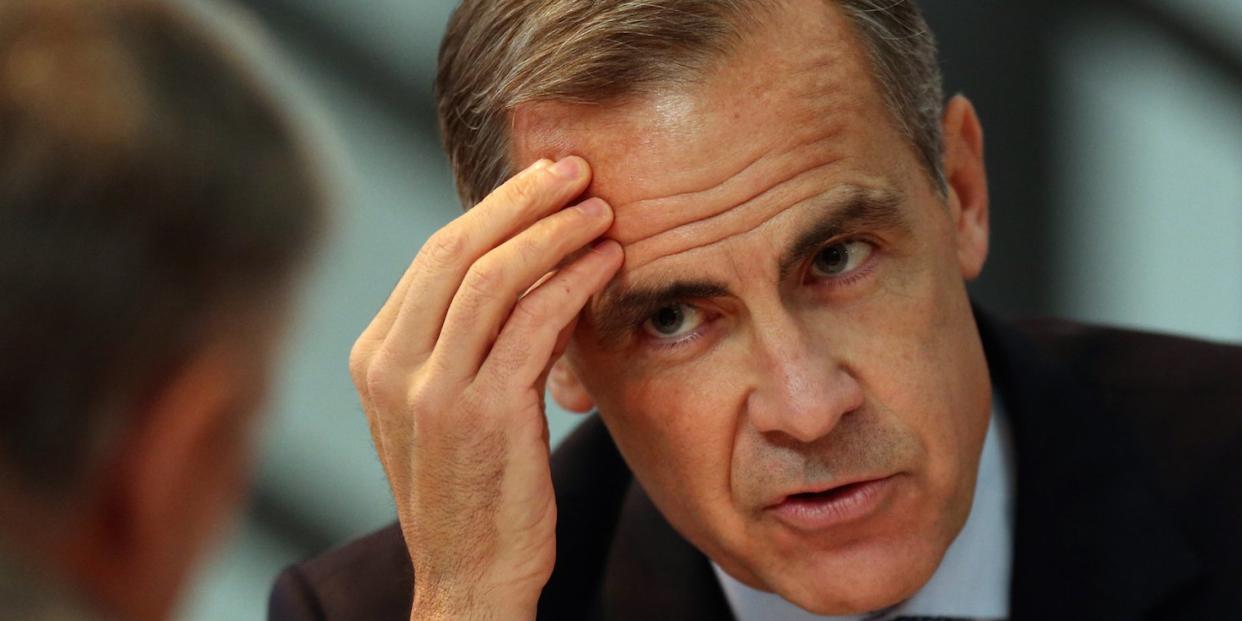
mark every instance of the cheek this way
{"type": "Point", "coordinates": [919, 356]}
{"type": "Point", "coordinates": [675, 430]}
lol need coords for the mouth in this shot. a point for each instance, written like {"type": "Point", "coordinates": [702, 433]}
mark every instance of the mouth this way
{"type": "Point", "coordinates": [816, 510]}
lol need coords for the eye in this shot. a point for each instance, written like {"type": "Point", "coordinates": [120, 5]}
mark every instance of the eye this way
{"type": "Point", "coordinates": [673, 322]}
{"type": "Point", "coordinates": [841, 258]}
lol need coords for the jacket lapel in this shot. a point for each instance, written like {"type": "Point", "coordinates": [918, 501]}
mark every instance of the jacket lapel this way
{"type": "Point", "coordinates": [1092, 540]}
{"type": "Point", "coordinates": [654, 573]}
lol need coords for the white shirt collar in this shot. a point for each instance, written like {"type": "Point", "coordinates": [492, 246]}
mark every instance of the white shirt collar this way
{"type": "Point", "coordinates": [973, 578]}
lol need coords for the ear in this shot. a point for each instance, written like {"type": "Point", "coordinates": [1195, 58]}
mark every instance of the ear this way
{"type": "Point", "coordinates": [567, 389]}
{"type": "Point", "coordinates": [967, 184]}
{"type": "Point", "coordinates": [175, 474]}
{"type": "Point", "coordinates": [191, 458]}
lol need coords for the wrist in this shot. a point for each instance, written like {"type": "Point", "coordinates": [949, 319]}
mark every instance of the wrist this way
{"type": "Point", "coordinates": [445, 605]}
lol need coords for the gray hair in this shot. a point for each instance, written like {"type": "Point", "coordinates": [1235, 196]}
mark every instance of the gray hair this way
{"type": "Point", "coordinates": [499, 54]}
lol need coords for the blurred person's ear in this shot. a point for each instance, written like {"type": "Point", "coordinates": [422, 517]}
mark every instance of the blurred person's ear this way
{"type": "Point", "coordinates": [966, 177]}
{"type": "Point", "coordinates": [174, 483]}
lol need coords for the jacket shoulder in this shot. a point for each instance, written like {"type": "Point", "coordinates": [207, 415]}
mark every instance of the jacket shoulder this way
{"type": "Point", "coordinates": [368, 578]}
{"type": "Point", "coordinates": [1182, 396]}
{"type": "Point", "coordinates": [1132, 359]}
{"type": "Point", "coordinates": [1181, 400]}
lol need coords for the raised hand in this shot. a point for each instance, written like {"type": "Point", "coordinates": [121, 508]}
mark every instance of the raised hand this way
{"type": "Point", "coordinates": [451, 374]}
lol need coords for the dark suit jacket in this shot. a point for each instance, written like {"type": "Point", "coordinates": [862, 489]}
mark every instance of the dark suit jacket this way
{"type": "Point", "coordinates": [1129, 499]}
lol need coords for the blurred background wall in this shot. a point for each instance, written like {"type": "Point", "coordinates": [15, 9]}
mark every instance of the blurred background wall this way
{"type": "Point", "coordinates": [1114, 135]}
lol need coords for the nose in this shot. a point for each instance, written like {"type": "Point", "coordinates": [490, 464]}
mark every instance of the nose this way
{"type": "Point", "coordinates": [803, 390]}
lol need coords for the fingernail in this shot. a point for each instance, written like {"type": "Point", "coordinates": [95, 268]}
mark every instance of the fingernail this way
{"type": "Point", "coordinates": [568, 168]}
{"type": "Point", "coordinates": [593, 207]}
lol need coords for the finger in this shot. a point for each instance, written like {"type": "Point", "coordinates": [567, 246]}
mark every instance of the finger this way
{"type": "Point", "coordinates": [361, 356]}
{"type": "Point", "coordinates": [495, 282]}
{"type": "Point", "coordinates": [443, 261]}
{"type": "Point", "coordinates": [526, 344]}
{"type": "Point", "coordinates": [360, 367]}
{"type": "Point", "coordinates": [558, 350]}
{"type": "Point", "coordinates": [562, 342]}
{"type": "Point", "coordinates": [382, 321]}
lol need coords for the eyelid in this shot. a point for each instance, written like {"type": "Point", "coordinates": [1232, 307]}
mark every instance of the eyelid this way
{"type": "Point", "coordinates": [652, 341]}
{"type": "Point", "coordinates": [844, 277]}
{"type": "Point", "coordinates": [691, 311]}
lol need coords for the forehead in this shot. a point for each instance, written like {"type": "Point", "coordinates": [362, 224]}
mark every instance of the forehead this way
{"type": "Point", "coordinates": [788, 115]}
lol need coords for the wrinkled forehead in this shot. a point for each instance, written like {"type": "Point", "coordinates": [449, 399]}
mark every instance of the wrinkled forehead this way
{"type": "Point", "coordinates": [698, 162]}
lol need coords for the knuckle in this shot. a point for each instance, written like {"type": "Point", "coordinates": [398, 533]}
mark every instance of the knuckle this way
{"type": "Point", "coordinates": [531, 311]}
{"type": "Point", "coordinates": [436, 416]}
{"type": "Point", "coordinates": [484, 279]}
{"type": "Point", "coordinates": [443, 247]}
{"type": "Point", "coordinates": [420, 397]}
{"type": "Point", "coordinates": [522, 190]}
{"type": "Point", "coordinates": [527, 248]}
{"type": "Point", "coordinates": [383, 379]}
{"type": "Point", "coordinates": [376, 378]}
{"type": "Point", "coordinates": [359, 361]}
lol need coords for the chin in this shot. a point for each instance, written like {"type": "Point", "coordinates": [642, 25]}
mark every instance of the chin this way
{"type": "Point", "coordinates": [834, 604]}
{"type": "Point", "coordinates": [860, 580]}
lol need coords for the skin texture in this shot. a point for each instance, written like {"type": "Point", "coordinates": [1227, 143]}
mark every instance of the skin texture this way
{"type": "Point", "coordinates": [784, 382]}
{"type": "Point", "coordinates": [788, 374]}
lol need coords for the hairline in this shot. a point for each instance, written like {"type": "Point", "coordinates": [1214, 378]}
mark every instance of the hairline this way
{"type": "Point", "coordinates": [906, 122]}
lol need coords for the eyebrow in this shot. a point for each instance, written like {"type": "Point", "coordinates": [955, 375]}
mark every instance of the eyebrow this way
{"type": "Point", "coordinates": [617, 315]}
{"type": "Point", "coordinates": [858, 209]}
{"type": "Point", "coordinates": [841, 213]}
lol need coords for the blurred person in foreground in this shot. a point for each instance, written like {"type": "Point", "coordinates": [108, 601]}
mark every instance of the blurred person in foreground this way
{"type": "Point", "coordinates": [155, 207]}
{"type": "Point", "coordinates": [799, 409]}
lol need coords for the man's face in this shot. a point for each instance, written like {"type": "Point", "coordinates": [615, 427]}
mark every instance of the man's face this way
{"type": "Point", "coordinates": [787, 359]}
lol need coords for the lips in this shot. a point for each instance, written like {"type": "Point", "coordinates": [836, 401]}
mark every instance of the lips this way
{"type": "Point", "coordinates": [818, 509]}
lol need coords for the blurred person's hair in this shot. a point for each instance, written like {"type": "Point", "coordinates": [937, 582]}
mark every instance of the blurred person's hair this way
{"type": "Point", "coordinates": [151, 195]}
{"type": "Point", "coordinates": [500, 54]}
